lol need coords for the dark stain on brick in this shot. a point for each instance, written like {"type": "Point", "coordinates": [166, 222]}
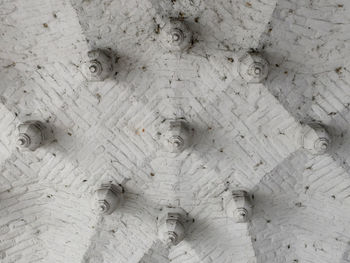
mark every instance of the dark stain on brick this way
{"type": "Point", "coordinates": [157, 29]}
{"type": "Point", "coordinates": [298, 204]}
{"type": "Point", "coordinates": [338, 70]}
{"type": "Point", "coordinates": [10, 65]}
{"type": "Point", "coordinates": [98, 96]}
{"type": "Point", "coordinates": [258, 164]}
{"type": "Point", "coordinates": [181, 16]}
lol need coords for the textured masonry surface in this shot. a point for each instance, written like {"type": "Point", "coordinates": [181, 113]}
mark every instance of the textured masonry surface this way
{"type": "Point", "coordinates": [108, 131]}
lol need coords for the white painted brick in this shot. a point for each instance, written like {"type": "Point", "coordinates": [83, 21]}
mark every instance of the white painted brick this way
{"type": "Point", "coordinates": [245, 136]}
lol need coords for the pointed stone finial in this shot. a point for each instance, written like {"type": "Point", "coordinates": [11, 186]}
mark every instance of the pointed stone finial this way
{"type": "Point", "coordinates": [107, 198]}
{"type": "Point", "coordinates": [171, 226]}
{"type": "Point", "coordinates": [253, 68]}
{"type": "Point", "coordinates": [238, 206]}
{"type": "Point", "coordinates": [31, 135]}
{"type": "Point", "coordinates": [176, 135]}
{"type": "Point", "coordinates": [99, 66]}
{"type": "Point", "coordinates": [175, 35]}
{"type": "Point", "coordinates": [315, 138]}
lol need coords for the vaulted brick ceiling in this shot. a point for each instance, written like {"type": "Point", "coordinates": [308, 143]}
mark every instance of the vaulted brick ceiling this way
{"type": "Point", "coordinates": [245, 135]}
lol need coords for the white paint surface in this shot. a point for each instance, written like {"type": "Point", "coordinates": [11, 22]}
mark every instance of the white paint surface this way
{"type": "Point", "coordinates": [244, 135]}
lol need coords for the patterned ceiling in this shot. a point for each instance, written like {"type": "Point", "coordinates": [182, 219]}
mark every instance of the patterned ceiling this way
{"type": "Point", "coordinates": [244, 135]}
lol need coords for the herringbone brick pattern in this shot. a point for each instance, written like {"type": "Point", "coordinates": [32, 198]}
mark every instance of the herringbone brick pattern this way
{"type": "Point", "coordinates": [244, 135]}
